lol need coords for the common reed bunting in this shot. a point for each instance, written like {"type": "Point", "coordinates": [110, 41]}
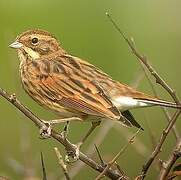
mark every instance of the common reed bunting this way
{"type": "Point", "coordinates": [72, 87]}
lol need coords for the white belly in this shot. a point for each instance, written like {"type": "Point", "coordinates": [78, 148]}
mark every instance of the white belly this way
{"type": "Point", "coordinates": [124, 103]}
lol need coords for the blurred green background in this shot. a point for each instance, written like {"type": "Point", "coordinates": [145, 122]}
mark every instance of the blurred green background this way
{"type": "Point", "coordinates": [84, 31]}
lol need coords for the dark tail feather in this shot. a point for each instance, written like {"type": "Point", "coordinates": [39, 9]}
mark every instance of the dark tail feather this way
{"type": "Point", "coordinates": [129, 120]}
{"type": "Point", "coordinates": [158, 102]}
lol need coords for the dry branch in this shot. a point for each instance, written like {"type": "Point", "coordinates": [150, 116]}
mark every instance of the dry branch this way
{"type": "Point", "coordinates": [104, 130]}
{"type": "Point", "coordinates": [61, 163]}
{"type": "Point", "coordinates": [98, 139]}
{"type": "Point", "coordinates": [109, 164]}
{"type": "Point", "coordinates": [43, 167]}
{"type": "Point", "coordinates": [175, 155]}
{"type": "Point", "coordinates": [144, 60]}
{"type": "Point", "coordinates": [41, 125]}
{"type": "Point", "coordinates": [167, 114]}
{"type": "Point", "coordinates": [160, 81]}
{"type": "Point", "coordinates": [91, 163]}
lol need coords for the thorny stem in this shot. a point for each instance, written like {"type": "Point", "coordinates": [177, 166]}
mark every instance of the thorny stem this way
{"type": "Point", "coordinates": [41, 125]}
{"type": "Point", "coordinates": [117, 156]}
{"type": "Point", "coordinates": [175, 155]}
{"type": "Point", "coordinates": [144, 60]}
{"type": "Point", "coordinates": [160, 81]}
{"type": "Point", "coordinates": [174, 129]}
{"type": "Point", "coordinates": [62, 164]}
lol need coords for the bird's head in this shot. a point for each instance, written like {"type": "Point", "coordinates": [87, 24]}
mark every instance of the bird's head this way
{"type": "Point", "coordinates": [36, 43]}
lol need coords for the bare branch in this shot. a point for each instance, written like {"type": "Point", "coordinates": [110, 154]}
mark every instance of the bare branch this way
{"type": "Point", "coordinates": [169, 118]}
{"type": "Point", "coordinates": [43, 167]}
{"type": "Point", "coordinates": [176, 154]}
{"type": "Point", "coordinates": [109, 164]}
{"type": "Point", "coordinates": [120, 170]}
{"type": "Point", "coordinates": [139, 146]}
{"type": "Point", "coordinates": [99, 155]}
{"type": "Point", "coordinates": [123, 175]}
{"type": "Point", "coordinates": [160, 81]}
{"type": "Point", "coordinates": [62, 164]}
{"type": "Point", "coordinates": [159, 145]}
{"type": "Point", "coordinates": [41, 125]}
{"type": "Point", "coordinates": [167, 115]}
{"type": "Point", "coordinates": [98, 139]}
{"type": "Point", "coordinates": [144, 60]}
{"type": "Point", "coordinates": [104, 130]}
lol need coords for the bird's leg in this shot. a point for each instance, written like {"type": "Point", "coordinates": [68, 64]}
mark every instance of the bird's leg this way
{"type": "Point", "coordinates": [75, 155]}
{"type": "Point", "coordinates": [46, 133]}
{"type": "Point", "coordinates": [93, 126]}
{"type": "Point", "coordinates": [59, 121]}
{"type": "Point", "coordinates": [70, 155]}
{"type": "Point", "coordinates": [64, 133]}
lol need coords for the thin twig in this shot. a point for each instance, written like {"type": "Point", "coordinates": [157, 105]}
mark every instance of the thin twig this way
{"type": "Point", "coordinates": [144, 60]}
{"type": "Point", "coordinates": [169, 118]}
{"type": "Point", "coordinates": [160, 81]}
{"type": "Point", "coordinates": [62, 164]}
{"type": "Point", "coordinates": [99, 155]}
{"type": "Point", "coordinates": [159, 144]}
{"type": "Point", "coordinates": [139, 146]}
{"type": "Point", "coordinates": [176, 154]}
{"type": "Point", "coordinates": [98, 139]}
{"type": "Point", "coordinates": [110, 163]}
{"type": "Point", "coordinates": [121, 171]}
{"type": "Point", "coordinates": [104, 130]}
{"type": "Point", "coordinates": [41, 125]}
{"type": "Point", "coordinates": [165, 111]}
{"type": "Point", "coordinates": [149, 80]}
{"type": "Point", "coordinates": [43, 167]}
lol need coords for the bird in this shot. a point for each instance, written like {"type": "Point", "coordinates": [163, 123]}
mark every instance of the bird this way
{"type": "Point", "coordinates": [74, 88]}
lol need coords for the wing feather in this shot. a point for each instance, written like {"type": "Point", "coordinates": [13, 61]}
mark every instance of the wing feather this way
{"type": "Point", "coordinates": [73, 91]}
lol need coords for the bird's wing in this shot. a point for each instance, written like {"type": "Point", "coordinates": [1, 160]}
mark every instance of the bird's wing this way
{"type": "Point", "coordinates": [68, 86]}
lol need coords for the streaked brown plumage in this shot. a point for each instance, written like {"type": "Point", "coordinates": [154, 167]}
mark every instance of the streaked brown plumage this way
{"type": "Point", "coordinates": [73, 87]}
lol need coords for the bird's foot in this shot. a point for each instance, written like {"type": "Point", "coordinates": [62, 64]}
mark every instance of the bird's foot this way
{"type": "Point", "coordinates": [45, 132]}
{"type": "Point", "coordinates": [64, 133]}
{"type": "Point", "coordinates": [72, 155]}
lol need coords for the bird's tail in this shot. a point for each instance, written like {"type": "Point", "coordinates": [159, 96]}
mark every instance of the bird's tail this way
{"type": "Point", "coordinates": [128, 120]}
{"type": "Point", "coordinates": [158, 102]}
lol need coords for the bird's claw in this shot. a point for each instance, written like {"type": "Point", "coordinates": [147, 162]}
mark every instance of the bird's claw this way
{"type": "Point", "coordinates": [64, 133]}
{"type": "Point", "coordinates": [45, 132]}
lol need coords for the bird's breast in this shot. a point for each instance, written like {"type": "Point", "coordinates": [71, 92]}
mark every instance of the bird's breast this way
{"type": "Point", "coordinates": [34, 84]}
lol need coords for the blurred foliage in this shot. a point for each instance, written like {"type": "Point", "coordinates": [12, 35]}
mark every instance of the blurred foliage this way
{"type": "Point", "coordinates": [84, 31]}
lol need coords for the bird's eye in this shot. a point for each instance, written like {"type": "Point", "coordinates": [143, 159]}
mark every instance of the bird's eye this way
{"type": "Point", "coordinates": [34, 40]}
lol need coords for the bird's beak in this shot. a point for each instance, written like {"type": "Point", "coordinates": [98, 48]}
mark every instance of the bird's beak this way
{"type": "Point", "coordinates": [16, 45]}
